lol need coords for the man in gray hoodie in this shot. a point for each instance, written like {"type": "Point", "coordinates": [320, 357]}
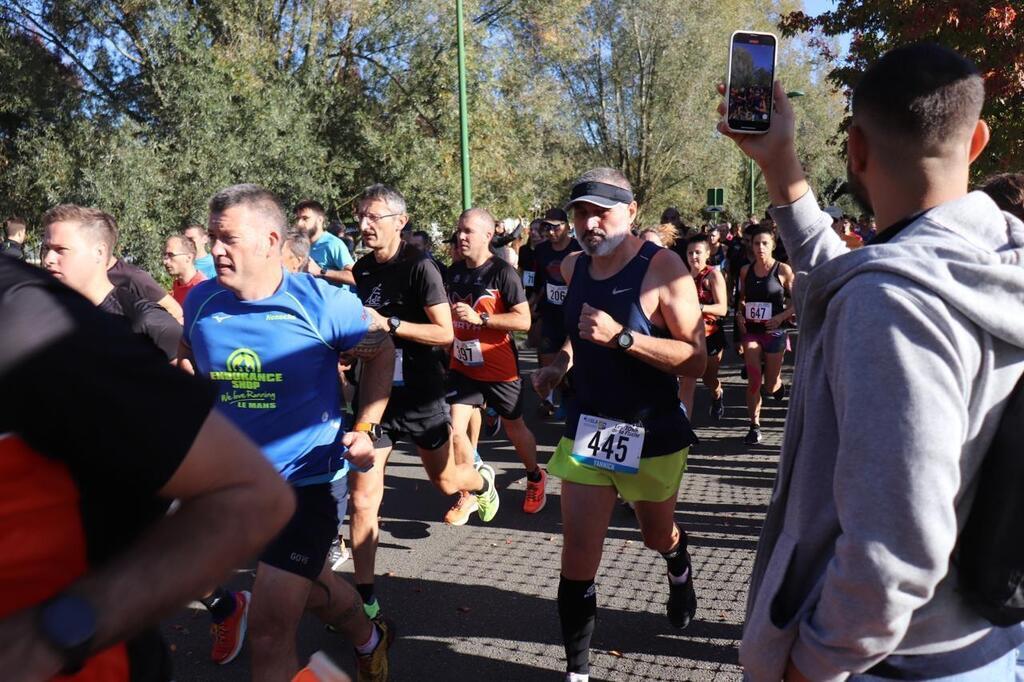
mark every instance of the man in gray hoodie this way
{"type": "Point", "coordinates": [909, 348]}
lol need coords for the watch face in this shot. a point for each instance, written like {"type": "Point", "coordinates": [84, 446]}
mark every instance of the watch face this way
{"type": "Point", "coordinates": [625, 339]}
{"type": "Point", "coordinates": [393, 322]}
{"type": "Point", "coordinates": [69, 621]}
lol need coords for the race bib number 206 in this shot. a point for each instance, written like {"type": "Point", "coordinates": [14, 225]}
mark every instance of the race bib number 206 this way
{"type": "Point", "coordinates": [608, 444]}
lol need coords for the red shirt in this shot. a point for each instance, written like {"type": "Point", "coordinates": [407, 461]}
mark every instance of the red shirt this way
{"type": "Point", "coordinates": [180, 291]}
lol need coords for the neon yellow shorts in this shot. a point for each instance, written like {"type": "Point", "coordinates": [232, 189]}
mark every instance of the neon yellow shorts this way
{"type": "Point", "coordinates": [657, 480]}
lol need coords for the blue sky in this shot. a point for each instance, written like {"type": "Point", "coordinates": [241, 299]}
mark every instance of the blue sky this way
{"type": "Point", "coordinates": [816, 7]}
{"type": "Point", "coordinates": [762, 55]}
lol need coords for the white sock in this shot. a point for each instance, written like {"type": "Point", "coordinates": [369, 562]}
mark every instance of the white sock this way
{"type": "Point", "coordinates": [577, 677]}
{"type": "Point", "coordinates": [679, 580]}
{"type": "Point", "coordinates": [371, 643]}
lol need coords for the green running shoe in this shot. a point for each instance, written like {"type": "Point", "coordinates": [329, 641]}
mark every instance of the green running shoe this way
{"type": "Point", "coordinates": [487, 503]}
{"type": "Point", "coordinates": [372, 609]}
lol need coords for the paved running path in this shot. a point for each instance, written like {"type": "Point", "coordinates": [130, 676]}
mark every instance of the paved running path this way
{"type": "Point", "coordinates": [478, 602]}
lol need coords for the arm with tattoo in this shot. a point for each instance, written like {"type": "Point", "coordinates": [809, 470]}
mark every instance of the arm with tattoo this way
{"type": "Point", "coordinates": [377, 353]}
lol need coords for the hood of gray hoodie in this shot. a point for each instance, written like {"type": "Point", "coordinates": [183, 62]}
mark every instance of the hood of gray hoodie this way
{"type": "Point", "coordinates": [979, 270]}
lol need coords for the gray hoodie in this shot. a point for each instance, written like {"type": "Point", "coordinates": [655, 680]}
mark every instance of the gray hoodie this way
{"type": "Point", "coordinates": [908, 351]}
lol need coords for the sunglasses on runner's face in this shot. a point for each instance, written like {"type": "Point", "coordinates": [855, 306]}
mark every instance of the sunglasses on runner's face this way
{"type": "Point", "coordinates": [550, 227]}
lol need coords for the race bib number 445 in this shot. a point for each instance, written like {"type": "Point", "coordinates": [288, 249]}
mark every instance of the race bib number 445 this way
{"type": "Point", "coordinates": [608, 444]}
{"type": "Point", "coordinates": [758, 311]}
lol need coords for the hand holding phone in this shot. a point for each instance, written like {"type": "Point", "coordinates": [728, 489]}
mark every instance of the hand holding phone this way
{"type": "Point", "coordinates": [748, 86]}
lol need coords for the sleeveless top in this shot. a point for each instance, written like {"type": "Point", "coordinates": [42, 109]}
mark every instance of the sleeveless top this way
{"type": "Point", "coordinates": [706, 297]}
{"type": "Point", "coordinates": [767, 289]}
{"type": "Point", "coordinates": [610, 383]}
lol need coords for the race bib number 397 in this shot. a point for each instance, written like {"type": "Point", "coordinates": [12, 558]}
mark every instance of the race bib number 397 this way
{"type": "Point", "coordinates": [608, 444]}
{"type": "Point", "coordinates": [469, 352]}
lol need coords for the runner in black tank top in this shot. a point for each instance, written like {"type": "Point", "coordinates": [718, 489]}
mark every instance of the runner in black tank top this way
{"type": "Point", "coordinates": [634, 324]}
{"type": "Point", "coordinates": [761, 313]}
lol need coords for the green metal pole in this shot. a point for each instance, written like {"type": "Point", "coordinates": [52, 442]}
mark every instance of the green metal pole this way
{"type": "Point", "coordinates": [467, 185]}
{"type": "Point", "coordinates": [751, 186]}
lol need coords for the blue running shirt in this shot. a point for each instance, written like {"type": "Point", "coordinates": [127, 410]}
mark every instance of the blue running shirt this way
{"type": "Point", "coordinates": [274, 362]}
{"type": "Point", "coordinates": [330, 253]}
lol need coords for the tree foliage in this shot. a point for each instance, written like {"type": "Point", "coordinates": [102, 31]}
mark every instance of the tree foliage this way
{"type": "Point", "coordinates": [147, 108]}
{"type": "Point", "coordinates": [990, 32]}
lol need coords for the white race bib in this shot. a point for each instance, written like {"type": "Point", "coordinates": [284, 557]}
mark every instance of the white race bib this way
{"type": "Point", "coordinates": [469, 352]}
{"type": "Point", "coordinates": [529, 277]}
{"type": "Point", "coordinates": [398, 379]}
{"type": "Point", "coordinates": [556, 293]}
{"type": "Point", "coordinates": [758, 311]}
{"type": "Point", "coordinates": [608, 444]}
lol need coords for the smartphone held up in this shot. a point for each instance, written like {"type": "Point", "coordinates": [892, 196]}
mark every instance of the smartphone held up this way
{"type": "Point", "coordinates": [748, 86]}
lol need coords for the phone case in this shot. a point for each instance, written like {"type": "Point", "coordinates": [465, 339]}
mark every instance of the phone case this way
{"type": "Point", "coordinates": [728, 80]}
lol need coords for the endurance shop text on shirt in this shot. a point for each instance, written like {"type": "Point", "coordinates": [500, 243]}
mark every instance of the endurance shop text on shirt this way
{"type": "Point", "coordinates": [274, 363]}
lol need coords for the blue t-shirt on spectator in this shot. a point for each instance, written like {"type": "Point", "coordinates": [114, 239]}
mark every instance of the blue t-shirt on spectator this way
{"type": "Point", "coordinates": [330, 253]}
{"type": "Point", "coordinates": [274, 362]}
{"type": "Point", "coordinates": [206, 266]}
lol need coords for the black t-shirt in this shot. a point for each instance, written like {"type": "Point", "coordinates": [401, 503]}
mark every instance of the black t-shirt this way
{"type": "Point", "coordinates": [548, 264]}
{"type": "Point", "coordinates": [136, 279]}
{"type": "Point", "coordinates": [404, 287]}
{"type": "Point", "coordinates": [528, 265]}
{"type": "Point", "coordinates": [83, 391]}
{"type": "Point", "coordinates": [13, 249]}
{"type": "Point", "coordinates": [144, 318]}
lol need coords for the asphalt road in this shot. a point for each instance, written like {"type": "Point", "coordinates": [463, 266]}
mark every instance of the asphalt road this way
{"type": "Point", "coordinates": [479, 601]}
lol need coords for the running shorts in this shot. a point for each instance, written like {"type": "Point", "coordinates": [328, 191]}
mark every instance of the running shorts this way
{"type": "Point", "coordinates": [657, 480]}
{"type": "Point", "coordinates": [301, 547]}
{"type": "Point", "coordinates": [770, 342]}
{"type": "Point", "coordinates": [505, 397]}
{"type": "Point", "coordinates": [428, 426]}
{"type": "Point", "coordinates": [716, 343]}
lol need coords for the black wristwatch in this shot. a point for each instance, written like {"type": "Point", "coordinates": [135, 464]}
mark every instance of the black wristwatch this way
{"type": "Point", "coordinates": [393, 323]}
{"type": "Point", "coordinates": [68, 624]}
{"type": "Point", "coordinates": [484, 318]}
{"type": "Point", "coordinates": [625, 339]}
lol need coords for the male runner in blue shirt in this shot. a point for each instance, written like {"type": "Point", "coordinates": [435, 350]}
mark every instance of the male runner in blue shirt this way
{"type": "Point", "coordinates": [270, 342]}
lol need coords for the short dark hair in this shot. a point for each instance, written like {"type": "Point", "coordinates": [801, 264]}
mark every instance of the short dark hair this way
{"type": "Point", "coordinates": [252, 196]}
{"type": "Point", "coordinates": [923, 93]}
{"type": "Point", "coordinates": [313, 205]}
{"type": "Point", "coordinates": [699, 238]}
{"type": "Point", "coordinates": [15, 225]}
{"type": "Point", "coordinates": [100, 225]}
{"type": "Point", "coordinates": [1007, 190]}
{"type": "Point", "coordinates": [422, 234]}
{"type": "Point", "coordinates": [755, 230]}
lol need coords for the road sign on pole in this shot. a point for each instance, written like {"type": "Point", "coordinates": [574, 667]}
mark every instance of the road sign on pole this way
{"type": "Point", "coordinates": [716, 198]}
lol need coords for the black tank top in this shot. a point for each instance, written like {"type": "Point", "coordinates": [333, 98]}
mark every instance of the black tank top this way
{"type": "Point", "coordinates": [767, 289]}
{"type": "Point", "coordinates": [610, 383]}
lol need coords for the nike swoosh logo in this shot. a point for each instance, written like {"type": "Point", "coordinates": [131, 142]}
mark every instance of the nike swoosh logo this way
{"type": "Point", "coordinates": [616, 292]}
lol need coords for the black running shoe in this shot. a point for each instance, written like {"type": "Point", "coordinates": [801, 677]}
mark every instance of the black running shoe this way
{"type": "Point", "coordinates": [717, 409]}
{"type": "Point", "coordinates": [780, 394]}
{"type": "Point", "coordinates": [753, 436]}
{"type": "Point", "coordinates": [743, 373]}
{"type": "Point", "coordinates": [682, 600]}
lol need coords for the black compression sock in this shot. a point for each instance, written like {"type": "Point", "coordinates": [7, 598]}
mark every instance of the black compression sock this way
{"type": "Point", "coordinates": [534, 476]}
{"type": "Point", "coordinates": [366, 592]}
{"type": "Point", "coordinates": [220, 604]}
{"type": "Point", "coordinates": [483, 490]}
{"type": "Point", "coordinates": [577, 611]}
{"type": "Point", "coordinates": [676, 558]}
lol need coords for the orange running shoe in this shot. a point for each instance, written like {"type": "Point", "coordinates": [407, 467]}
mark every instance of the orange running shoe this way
{"type": "Point", "coordinates": [229, 635]}
{"type": "Point", "coordinates": [464, 507]}
{"type": "Point", "coordinates": [536, 498]}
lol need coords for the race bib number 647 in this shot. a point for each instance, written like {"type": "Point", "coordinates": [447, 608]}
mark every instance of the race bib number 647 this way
{"type": "Point", "coordinates": [608, 444]}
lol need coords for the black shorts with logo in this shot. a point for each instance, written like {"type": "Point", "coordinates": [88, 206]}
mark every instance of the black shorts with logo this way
{"type": "Point", "coordinates": [302, 546]}
{"type": "Point", "coordinates": [428, 426]}
{"type": "Point", "coordinates": [505, 397]}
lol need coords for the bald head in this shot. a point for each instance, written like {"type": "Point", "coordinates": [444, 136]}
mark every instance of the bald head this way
{"type": "Point", "coordinates": [479, 217]}
{"type": "Point", "coordinates": [473, 238]}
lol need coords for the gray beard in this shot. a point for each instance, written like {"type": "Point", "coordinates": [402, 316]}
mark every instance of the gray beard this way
{"type": "Point", "coordinates": [607, 245]}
